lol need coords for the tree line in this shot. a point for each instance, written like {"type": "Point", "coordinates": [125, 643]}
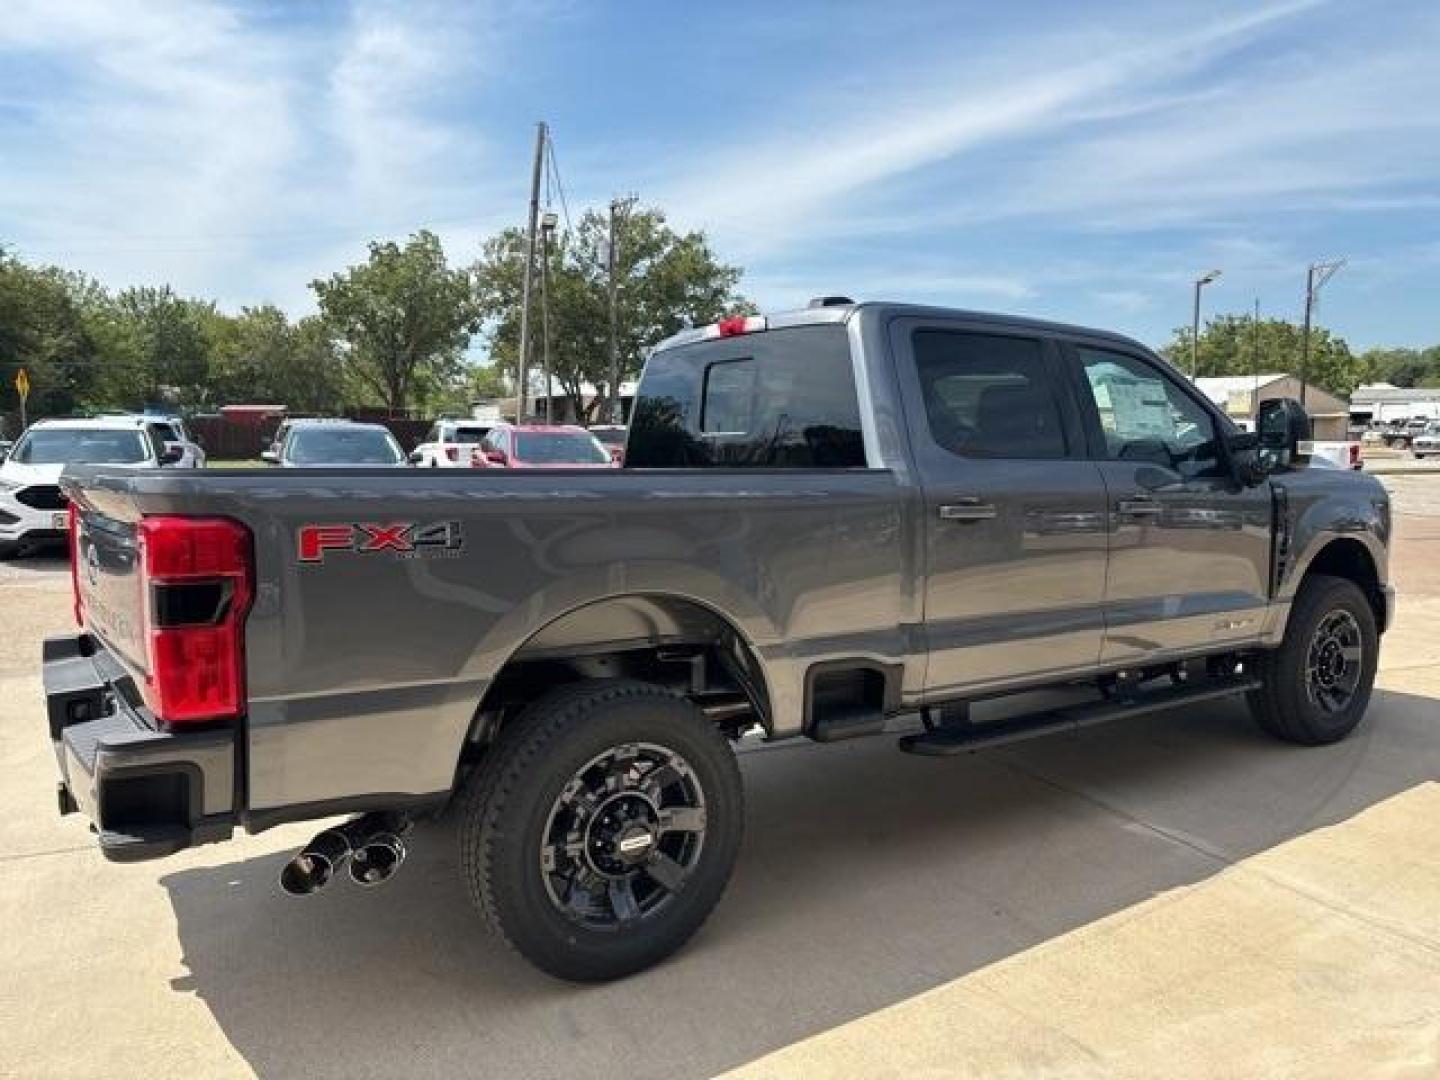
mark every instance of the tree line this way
{"type": "Point", "coordinates": [404, 330]}
{"type": "Point", "coordinates": [1241, 345]}
{"type": "Point", "coordinates": [408, 330]}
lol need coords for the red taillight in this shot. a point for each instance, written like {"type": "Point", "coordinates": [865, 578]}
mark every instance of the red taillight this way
{"type": "Point", "coordinates": [453, 453]}
{"type": "Point", "coordinates": [72, 529]}
{"type": "Point", "coordinates": [1355, 459]}
{"type": "Point", "coordinates": [196, 580]}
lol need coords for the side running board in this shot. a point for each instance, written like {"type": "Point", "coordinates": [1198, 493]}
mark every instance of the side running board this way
{"type": "Point", "coordinates": [951, 739]}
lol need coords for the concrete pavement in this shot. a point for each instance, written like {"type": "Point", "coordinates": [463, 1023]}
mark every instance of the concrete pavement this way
{"type": "Point", "coordinates": [1174, 895]}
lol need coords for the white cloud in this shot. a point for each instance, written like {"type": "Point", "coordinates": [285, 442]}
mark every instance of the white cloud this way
{"type": "Point", "coordinates": [234, 156]}
{"type": "Point", "coordinates": [770, 191]}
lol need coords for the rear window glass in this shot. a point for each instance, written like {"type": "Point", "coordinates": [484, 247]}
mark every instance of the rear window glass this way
{"type": "Point", "coordinates": [559, 448]}
{"type": "Point", "coordinates": [778, 399]}
{"type": "Point", "coordinates": [82, 446]}
{"type": "Point", "coordinates": [341, 446]}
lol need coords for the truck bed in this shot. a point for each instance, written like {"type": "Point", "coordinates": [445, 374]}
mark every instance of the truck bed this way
{"type": "Point", "coordinates": [368, 665]}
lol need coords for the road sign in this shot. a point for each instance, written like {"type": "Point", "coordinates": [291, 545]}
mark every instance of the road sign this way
{"type": "Point", "coordinates": [22, 387]}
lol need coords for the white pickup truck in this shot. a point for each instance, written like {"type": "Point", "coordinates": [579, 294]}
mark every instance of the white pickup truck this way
{"type": "Point", "coordinates": [1337, 453]}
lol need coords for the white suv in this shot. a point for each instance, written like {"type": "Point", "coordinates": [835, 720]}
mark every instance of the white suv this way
{"type": "Point", "coordinates": [451, 444]}
{"type": "Point", "coordinates": [32, 509]}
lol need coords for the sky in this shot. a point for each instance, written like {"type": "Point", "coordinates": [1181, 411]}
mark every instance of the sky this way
{"type": "Point", "coordinates": [1076, 161]}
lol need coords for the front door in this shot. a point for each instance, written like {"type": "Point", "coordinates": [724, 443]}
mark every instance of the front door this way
{"type": "Point", "coordinates": [1189, 545]}
{"type": "Point", "coordinates": [1014, 528]}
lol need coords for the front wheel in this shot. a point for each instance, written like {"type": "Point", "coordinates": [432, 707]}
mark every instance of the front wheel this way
{"type": "Point", "coordinates": [1317, 685]}
{"type": "Point", "coordinates": [602, 829]}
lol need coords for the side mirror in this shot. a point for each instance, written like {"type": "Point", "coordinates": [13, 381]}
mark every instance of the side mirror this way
{"type": "Point", "coordinates": [1282, 425]}
{"type": "Point", "coordinates": [413, 457]}
{"type": "Point", "coordinates": [172, 453]}
{"type": "Point", "coordinates": [270, 457]}
{"type": "Point", "coordinates": [1244, 448]}
{"type": "Point", "coordinates": [495, 457]}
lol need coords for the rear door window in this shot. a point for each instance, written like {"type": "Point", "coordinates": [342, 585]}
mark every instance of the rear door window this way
{"type": "Point", "coordinates": [988, 395]}
{"type": "Point", "coordinates": [773, 399]}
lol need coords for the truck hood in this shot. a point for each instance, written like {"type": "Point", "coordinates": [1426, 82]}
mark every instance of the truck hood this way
{"type": "Point", "coordinates": [17, 473]}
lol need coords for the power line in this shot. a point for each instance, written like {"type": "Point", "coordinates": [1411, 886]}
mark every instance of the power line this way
{"type": "Point", "coordinates": [554, 168]}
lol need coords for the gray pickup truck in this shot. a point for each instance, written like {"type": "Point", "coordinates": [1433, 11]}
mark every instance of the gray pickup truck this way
{"type": "Point", "coordinates": [827, 519]}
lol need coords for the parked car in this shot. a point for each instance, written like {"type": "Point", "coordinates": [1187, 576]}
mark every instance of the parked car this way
{"type": "Point", "coordinates": [327, 444]}
{"type": "Point", "coordinates": [32, 507]}
{"type": "Point", "coordinates": [171, 431]}
{"type": "Point", "coordinates": [827, 519]}
{"type": "Point", "coordinates": [1427, 442]}
{"type": "Point", "coordinates": [451, 444]}
{"type": "Point", "coordinates": [612, 436]}
{"type": "Point", "coordinates": [544, 446]}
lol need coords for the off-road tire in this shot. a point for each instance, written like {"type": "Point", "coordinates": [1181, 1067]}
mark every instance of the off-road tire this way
{"type": "Point", "coordinates": [1283, 706]}
{"type": "Point", "coordinates": [9, 550]}
{"type": "Point", "coordinates": [504, 812]}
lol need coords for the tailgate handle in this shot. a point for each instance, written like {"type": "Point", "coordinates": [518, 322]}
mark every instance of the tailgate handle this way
{"type": "Point", "coordinates": [970, 509]}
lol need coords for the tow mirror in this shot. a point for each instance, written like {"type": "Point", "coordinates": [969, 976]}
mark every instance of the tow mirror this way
{"type": "Point", "coordinates": [1244, 447]}
{"type": "Point", "coordinates": [1282, 425]}
{"type": "Point", "coordinates": [270, 457]}
{"type": "Point", "coordinates": [172, 453]}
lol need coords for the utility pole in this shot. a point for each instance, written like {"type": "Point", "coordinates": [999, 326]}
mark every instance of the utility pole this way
{"type": "Point", "coordinates": [1255, 359]}
{"type": "Point", "coordinates": [1200, 283]}
{"type": "Point", "coordinates": [523, 365]}
{"type": "Point", "coordinates": [1316, 275]}
{"type": "Point", "coordinates": [547, 229]}
{"type": "Point", "coordinates": [618, 208]}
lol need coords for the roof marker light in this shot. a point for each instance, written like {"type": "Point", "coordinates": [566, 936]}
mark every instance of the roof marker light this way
{"type": "Point", "coordinates": [736, 325]}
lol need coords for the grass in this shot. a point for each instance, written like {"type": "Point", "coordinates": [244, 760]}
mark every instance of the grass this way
{"type": "Point", "coordinates": [235, 463]}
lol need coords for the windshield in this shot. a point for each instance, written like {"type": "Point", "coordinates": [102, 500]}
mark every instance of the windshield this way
{"type": "Point", "coordinates": [612, 436]}
{"type": "Point", "coordinates": [82, 446]}
{"type": "Point", "coordinates": [342, 446]}
{"type": "Point", "coordinates": [469, 434]}
{"type": "Point", "coordinates": [166, 432]}
{"type": "Point", "coordinates": [559, 448]}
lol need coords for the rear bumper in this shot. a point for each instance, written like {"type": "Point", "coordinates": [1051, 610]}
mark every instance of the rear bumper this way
{"type": "Point", "coordinates": [147, 793]}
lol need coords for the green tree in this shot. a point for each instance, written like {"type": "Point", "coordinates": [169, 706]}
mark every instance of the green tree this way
{"type": "Point", "coordinates": [403, 319]}
{"type": "Point", "coordinates": [1238, 345]}
{"type": "Point", "coordinates": [42, 330]}
{"type": "Point", "coordinates": [1403, 367]}
{"type": "Point", "coordinates": [667, 281]}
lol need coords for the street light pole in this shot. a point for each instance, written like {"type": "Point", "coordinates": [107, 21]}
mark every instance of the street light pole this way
{"type": "Point", "coordinates": [1200, 283]}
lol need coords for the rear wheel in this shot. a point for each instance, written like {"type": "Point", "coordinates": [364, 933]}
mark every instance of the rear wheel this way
{"type": "Point", "coordinates": [8, 549]}
{"type": "Point", "coordinates": [602, 829]}
{"type": "Point", "coordinates": [1317, 685]}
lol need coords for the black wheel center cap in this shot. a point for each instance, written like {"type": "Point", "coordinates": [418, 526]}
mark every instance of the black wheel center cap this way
{"type": "Point", "coordinates": [623, 834]}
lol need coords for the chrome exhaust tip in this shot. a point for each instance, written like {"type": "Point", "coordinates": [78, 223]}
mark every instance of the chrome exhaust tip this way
{"type": "Point", "coordinates": [377, 860]}
{"type": "Point", "coordinates": [311, 870]}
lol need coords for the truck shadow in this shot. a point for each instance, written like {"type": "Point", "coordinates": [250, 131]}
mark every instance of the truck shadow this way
{"type": "Point", "coordinates": [867, 877]}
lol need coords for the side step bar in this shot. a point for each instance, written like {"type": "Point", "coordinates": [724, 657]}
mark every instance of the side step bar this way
{"type": "Point", "coordinates": [949, 740]}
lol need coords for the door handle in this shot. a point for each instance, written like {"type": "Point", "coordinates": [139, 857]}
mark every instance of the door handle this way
{"type": "Point", "coordinates": [1140, 507]}
{"type": "Point", "coordinates": [968, 510]}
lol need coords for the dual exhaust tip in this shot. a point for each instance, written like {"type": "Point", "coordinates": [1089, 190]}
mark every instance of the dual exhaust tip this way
{"type": "Point", "coordinates": [371, 847]}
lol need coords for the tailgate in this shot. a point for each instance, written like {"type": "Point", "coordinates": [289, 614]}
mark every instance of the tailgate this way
{"type": "Point", "coordinates": [108, 581]}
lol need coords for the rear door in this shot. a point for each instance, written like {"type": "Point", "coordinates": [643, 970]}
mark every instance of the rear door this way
{"type": "Point", "coordinates": [1014, 529]}
{"type": "Point", "coordinates": [1189, 545]}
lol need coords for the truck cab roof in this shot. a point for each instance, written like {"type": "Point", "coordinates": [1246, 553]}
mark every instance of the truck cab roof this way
{"type": "Point", "coordinates": [843, 311]}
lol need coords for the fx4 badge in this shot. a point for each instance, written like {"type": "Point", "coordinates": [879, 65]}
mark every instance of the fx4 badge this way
{"type": "Point", "coordinates": [404, 539]}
